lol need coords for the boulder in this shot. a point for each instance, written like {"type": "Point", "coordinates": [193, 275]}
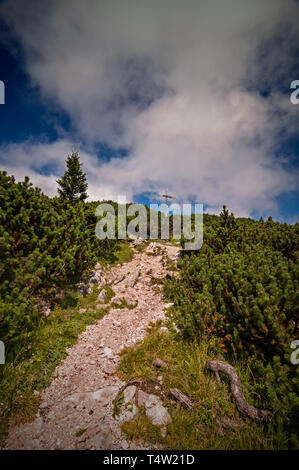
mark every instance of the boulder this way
{"type": "Point", "coordinates": [124, 445]}
{"type": "Point", "coordinates": [129, 394]}
{"type": "Point", "coordinates": [142, 398]}
{"type": "Point", "coordinates": [155, 410]}
{"type": "Point", "coordinates": [104, 395]}
{"type": "Point", "coordinates": [158, 415]}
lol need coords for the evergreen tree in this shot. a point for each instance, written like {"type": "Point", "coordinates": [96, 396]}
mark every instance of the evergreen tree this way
{"type": "Point", "coordinates": [73, 184]}
{"type": "Point", "coordinates": [44, 244]}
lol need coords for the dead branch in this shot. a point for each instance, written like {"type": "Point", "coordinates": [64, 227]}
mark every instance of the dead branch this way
{"type": "Point", "coordinates": [181, 398]}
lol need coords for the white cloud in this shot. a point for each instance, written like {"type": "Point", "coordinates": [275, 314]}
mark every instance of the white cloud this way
{"type": "Point", "coordinates": [167, 79]}
{"type": "Point", "coordinates": [45, 162]}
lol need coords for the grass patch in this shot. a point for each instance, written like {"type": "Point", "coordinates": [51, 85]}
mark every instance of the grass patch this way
{"type": "Point", "coordinates": [204, 427]}
{"type": "Point", "coordinates": [124, 304]}
{"type": "Point", "coordinates": [142, 429]}
{"type": "Point", "coordinates": [117, 402]}
{"type": "Point", "coordinates": [22, 380]}
{"type": "Point", "coordinates": [80, 432]}
{"type": "Point", "coordinates": [142, 247]}
{"type": "Point", "coordinates": [123, 254]}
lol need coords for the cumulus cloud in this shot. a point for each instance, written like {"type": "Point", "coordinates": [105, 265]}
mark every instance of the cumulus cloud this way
{"type": "Point", "coordinates": [177, 83]}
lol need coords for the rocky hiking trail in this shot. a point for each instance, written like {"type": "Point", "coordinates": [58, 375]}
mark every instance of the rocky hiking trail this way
{"type": "Point", "coordinates": [76, 410]}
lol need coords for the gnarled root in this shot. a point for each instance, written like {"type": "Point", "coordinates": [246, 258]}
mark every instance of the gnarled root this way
{"type": "Point", "coordinates": [244, 407]}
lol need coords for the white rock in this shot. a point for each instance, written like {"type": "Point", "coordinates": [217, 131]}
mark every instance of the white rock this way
{"type": "Point", "coordinates": [158, 415]}
{"type": "Point", "coordinates": [134, 279]}
{"type": "Point", "coordinates": [169, 304]}
{"type": "Point", "coordinates": [163, 329]}
{"type": "Point", "coordinates": [47, 312]}
{"type": "Point", "coordinates": [155, 410]}
{"type": "Point", "coordinates": [141, 398]}
{"type": "Point", "coordinates": [144, 399]}
{"type": "Point", "coordinates": [101, 296]}
{"type": "Point", "coordinates": [129, 394]}
{"type": "Point", "coordinates": [101, 282]}
{"type": "Point", "coordinates": [152, 400]}
{"type": "Point", "coordinates": [36, 427]}
{"type": "Point", "coordinates": [124, 445]}
{"type": "Point", "coordinates": [128, 413]}
{"type": "Point", "coordinates": [104, 395]}
{"type": "Point", "coordinates": [117, 300]}
{"type": "Point", "coordinates": [107, 352]}
{"type": "Point", "coordinates": [82, 289]}
{"type": "Point", "coordinates": [101, 306]}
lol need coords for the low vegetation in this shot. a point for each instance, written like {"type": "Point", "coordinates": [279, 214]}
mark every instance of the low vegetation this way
{"type": "Point", "coordinates": [237, 296]}
{"type": "Point", "coordinates": [215, 422]}
{"type": "Point", "coordinates": [241, 291]}
{"type": "Point", "coordinates": [22, 380]}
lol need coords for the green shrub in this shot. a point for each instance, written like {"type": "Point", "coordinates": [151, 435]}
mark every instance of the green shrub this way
{"type": "Point", "coordinates": [44, 243]}
{"type": "Point", "coordinates": [241, 288]}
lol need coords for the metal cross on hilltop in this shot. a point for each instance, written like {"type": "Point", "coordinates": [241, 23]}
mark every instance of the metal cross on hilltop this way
{"type": "Point", "coordinates": [166, 196]}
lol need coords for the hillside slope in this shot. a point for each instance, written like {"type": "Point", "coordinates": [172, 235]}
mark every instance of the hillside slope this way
{"type": "Point", "coordinates": [70, 415]}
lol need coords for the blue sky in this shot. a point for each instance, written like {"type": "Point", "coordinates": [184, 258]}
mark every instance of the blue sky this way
{"type": "Point", "coordinates": [196, 101]}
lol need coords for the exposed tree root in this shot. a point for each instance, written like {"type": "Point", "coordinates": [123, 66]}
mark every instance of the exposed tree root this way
{"type": "Point", "coordinates": [244, 407]}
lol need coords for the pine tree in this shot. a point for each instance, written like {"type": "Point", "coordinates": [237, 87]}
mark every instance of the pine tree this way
{"type": "Point", "coordinates": [73, 184]}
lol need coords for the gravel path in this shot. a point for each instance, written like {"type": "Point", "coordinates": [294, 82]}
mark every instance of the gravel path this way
{"type": "Point", "coordinates": [83, 387]}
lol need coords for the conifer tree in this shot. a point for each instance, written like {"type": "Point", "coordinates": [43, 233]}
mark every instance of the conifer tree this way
{"type": "Point", "coordinates": [73, 184]}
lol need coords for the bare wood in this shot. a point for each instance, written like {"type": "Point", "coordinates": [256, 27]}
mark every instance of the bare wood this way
{"type": "Point", "coordinates": [181, 398]}
{"type": "Point", "coordinates": [244, 407]}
